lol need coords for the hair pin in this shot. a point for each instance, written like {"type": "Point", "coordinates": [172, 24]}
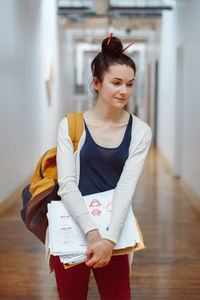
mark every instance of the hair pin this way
{"type": "Point", "coordinates": [128, 46]}
{"type": "Point", "coordinates": [108, 42]}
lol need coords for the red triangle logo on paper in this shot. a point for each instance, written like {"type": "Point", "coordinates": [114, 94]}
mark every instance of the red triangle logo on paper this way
{"type": "Point", "coordinates": [95, 203]}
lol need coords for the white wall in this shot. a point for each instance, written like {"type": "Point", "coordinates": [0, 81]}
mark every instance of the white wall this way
{"type": "Point", "coordinates": [166, 87]}
{"type": "Point", "coordinates": [181, 29]}
{"type": "Point", "coordinates": [28, 125]}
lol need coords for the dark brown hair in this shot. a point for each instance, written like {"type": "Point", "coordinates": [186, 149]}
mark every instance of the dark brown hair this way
{"type": "Point", "coordinates": [111, 54]}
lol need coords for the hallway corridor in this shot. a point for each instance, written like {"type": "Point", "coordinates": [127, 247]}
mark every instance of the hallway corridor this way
{"type": "Point", "coordinates": [169, 268]}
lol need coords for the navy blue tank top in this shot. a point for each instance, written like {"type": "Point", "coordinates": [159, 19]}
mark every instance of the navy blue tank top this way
{"type": "Point", "coordinates": [100, 167]}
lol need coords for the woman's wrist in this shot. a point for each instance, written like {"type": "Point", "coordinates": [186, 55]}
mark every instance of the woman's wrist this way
{"type": "Point", "coordinates": [93, 235]}
{"type": "Point", "coordinates": [93, 231]}
{"type": "Point", "coordinates": [111, 243]}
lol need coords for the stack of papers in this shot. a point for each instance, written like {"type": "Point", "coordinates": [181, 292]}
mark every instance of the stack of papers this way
{"type": "Point", "coordinates": [68, 241]}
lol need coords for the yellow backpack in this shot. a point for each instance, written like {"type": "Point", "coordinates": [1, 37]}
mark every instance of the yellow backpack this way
{"type": "Point", "coordinates": [44, 186]}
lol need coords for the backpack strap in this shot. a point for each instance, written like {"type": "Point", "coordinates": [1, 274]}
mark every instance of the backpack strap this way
{"type": "Point", "coordinates": [75, 123]}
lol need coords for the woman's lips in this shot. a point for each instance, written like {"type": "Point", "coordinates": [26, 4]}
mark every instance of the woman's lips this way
{"type": "Point", "coordinates": [121, 99]}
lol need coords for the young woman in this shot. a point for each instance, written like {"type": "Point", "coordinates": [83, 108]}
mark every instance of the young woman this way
{"type": "Point", "coordinates": [110, 155]}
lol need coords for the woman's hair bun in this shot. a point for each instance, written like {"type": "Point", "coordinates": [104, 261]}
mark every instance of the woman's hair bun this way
{"type": "Point", "coordinates": [114, 48]}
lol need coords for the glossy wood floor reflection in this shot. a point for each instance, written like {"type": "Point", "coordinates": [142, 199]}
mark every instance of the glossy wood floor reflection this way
{"type": "Point", "coordinates": [169, 269]}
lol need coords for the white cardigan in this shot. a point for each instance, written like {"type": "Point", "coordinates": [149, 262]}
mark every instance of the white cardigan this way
{"type": "Point", "coordinates": [68, 165]}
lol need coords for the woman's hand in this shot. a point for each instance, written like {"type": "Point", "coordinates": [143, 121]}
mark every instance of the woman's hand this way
{"type": "Point", "coordinates": [99, 250]}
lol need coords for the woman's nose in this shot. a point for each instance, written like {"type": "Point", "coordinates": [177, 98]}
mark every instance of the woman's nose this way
{"type": "Point", "coordinates": [123, 89]}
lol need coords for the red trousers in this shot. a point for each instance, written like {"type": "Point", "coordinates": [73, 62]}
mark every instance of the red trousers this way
{"type": "Point", "coordinates": [112, 280]}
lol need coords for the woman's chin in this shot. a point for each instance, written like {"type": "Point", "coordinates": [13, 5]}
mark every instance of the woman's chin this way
{"type": "Point", "coordinates": [119, 105]}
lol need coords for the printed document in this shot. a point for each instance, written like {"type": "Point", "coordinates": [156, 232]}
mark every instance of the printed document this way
{"type": "Point", "coordinates": [66, 238]}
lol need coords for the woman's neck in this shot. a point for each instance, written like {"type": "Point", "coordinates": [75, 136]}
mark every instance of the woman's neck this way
{"type": "Point", "coordinates": [105, 113]}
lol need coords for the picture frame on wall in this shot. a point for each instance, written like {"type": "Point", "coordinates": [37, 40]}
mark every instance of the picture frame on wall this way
{"type": "Point", "coordinates": [49, 77]}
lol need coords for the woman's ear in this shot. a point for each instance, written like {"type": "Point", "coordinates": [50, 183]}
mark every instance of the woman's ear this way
{"type": "Point", "coordinates": [96, 83]}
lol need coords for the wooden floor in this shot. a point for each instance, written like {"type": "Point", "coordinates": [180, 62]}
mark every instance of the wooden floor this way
{"type": "Point", "coordinates": [169, 269]}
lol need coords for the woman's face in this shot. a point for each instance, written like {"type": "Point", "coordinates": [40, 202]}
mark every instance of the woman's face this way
{"type": "Point", "coordinates": [116, 87]}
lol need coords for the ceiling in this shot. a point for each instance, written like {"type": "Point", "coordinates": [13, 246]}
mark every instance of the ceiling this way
{"type": "Point", "coordinates": [113, 8]}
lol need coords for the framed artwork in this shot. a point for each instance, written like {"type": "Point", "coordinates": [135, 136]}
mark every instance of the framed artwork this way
{"type": "Point", "coordinates": [49, 78]}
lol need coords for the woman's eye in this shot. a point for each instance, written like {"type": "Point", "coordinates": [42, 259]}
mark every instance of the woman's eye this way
{"type": "Point", "coordinates": [116, 83]}
{"type": "Point", "coordinates": [130, 85]}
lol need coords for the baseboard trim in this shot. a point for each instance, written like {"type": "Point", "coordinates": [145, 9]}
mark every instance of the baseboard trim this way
{"type": "Point", "coordinates": [191, 196]}
{"type": "Point", "coordinates": [14, 196]}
